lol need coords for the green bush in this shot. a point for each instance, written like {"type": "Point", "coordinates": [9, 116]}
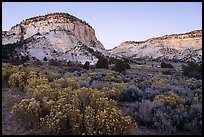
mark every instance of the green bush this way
{"type": "Point", "coordinates": [121, 66]}
{"type": "Point", "coordinates": [192, 70]}
{"type": "Point", "coordinates": [45, 58]}
{"type": "Point", "coordinates": [102, 63]}
{"type": "Point", "coordinates": [86, 65]}
{"type": "Point", "coordinates": [166, 65]}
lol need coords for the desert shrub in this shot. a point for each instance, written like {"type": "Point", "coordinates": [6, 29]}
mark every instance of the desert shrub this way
{"type": "Point", "coordinates": [167, 119]}
{"type": "Point", "coordinates": [156, 115]}
{"type": "Point", "coordinates": [62, 117]}
{"type": "Point", "coordinates": [90, 113]}
{"type": "Point", "coordinates": [168, 72]}
{"type": "Point", "coordinates": [37, 62]}
{"type": "Point", "coordinates": [150, 93]}
{"type": "Point", "coordinates": [84, 111]}
{"type": "Point", "coordinates": [27, 110]}
{"type": "Point", "coordinates": [17, 80]}
{"type": "Point", "coordinates": [43, 90]}
{"type": "Point", "coordinates": [52, 75]}
{"type": "Point", "coordinates": [189, 81]}
{"type": "Point", "coordinates": [78, 64]}
{"type": "Point", "coordinates": [197, 100]}
{"type": "Point", "coordinates": [111, 94]}
{"type": "Point", "coordinates": [161, 83]}
{"type": "Point", "coordinates": [63, 83]}
{"type": "Point", "coordinates": [7, 70]}
{"type": "Point", "coordinates": [112, 78]}
{"type": "Point", "coordinates": [16, 61]}
{"type": "Point", "coordinates": [119, 86]}
{"type": "Point", "coordinates": [83, 83]}
{"type": "Point", "coordinates": [131, 93]}
{"type": "Point", "coordinates": [67, 82]}
{"type": "Point", "coordinates": [56, 63]}
{"type": "Point", "coordinates": [73, 69]}
{"type": "Point", "coordinates": [171, 99]}
{"type": "Point", "coordinates": [194, 121]}
{"type": "Point", "coordinates": [144, 111]}
{"type": "Point", "coordinates": [102, 63]}
{"type": "Point", "coordinates": [109, 72]}
{"type": "Point", "coordinates": [98, 85]}
{"type": "Point", "coordinates": [198, 90]}
{"type": "Point", "coordinates": [15, 76]}
{"type": "Point", "coordinates": [194, 74]}
{"type": "Point", "coordinates": [34, 79]}
{"type": "Point", "coordinates": [192, 70]}
{"type": "Point", "coordinates": [111, 122]}
{"type": "Point", "coordinates": [194, 84]}
{"type": "Point", "coordinates": [85, 76]}
{"type": "Point", "coordinates": [86, 65]}
{"type": "Point", "coordinates": [166, 65]}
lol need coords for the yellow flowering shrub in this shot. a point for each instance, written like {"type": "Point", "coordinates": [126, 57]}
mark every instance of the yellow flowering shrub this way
{"type": "Point", "coordinates": [147, 82]}
{"type": "Point", "coordinates": [109, 72]}
{"type": "Point", "coordinates": [63, 83]}
{"type": "Point", "coordinates": [160, 83]}
{"type": "Point", "coordinates": [72, 83]}
{"type": "Point", "coordinates": [89, 120]}
{"type": "Point", "coordinates": [51, 92]}
{"type": "Point", "coordinates": [88, 97]}
{"type": "Point", "coordinates": [17, 80]}
{"type": "Point", "coordinates": [171, 99]}
{"type": "Point", "coordinates": [198, 90]}
{"type": "Point", "coordinates": [119, 86]}
{"type": "Point", "coordinates": [67, 82]}
{"type": "Point", "coordinates": [111, 94]}
{"type": "Point", "coordinates": [57, 107]}
{"type": "Point", "coordinates": [111, 122]}
{"type": "Point", "coordinates": [35, 79]}
{"type": "Point", "coordinates": [27, 110]}
{"type": "Point", "coordinates": [112, 78]}
{"type": "Point", "coordinates": [61, 117]}
{"type": "Point", "coordinates": [85, 76]}
{"type": "Point", "coordinates": [190, 80]}
{"type": "Point", "coordinates": [41, 91]}
{"type": "Point", "coordinates": [7, 70]}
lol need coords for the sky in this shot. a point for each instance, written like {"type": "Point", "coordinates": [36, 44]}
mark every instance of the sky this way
{"type": "Point", "coordinates": [115, 22]}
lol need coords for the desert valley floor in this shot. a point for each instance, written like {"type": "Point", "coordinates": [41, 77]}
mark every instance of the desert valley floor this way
{"type": "Point", "coordinates": [158, 100]}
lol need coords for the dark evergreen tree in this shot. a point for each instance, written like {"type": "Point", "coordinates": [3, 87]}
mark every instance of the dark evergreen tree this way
{"type": "Point", "coordinates": [45, 58]}
{"type": "Point", "coordinates": [166, 65]}
{"type": "Point", "coordinates": [120, 66]}
{"type": "Point", "coordinates": [86, 65]}
{"type": "Point", "coordinates": [102, 63]}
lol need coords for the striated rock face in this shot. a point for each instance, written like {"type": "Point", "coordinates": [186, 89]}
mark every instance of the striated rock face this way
{"type": "Point", "coordinates": [179, 47]}
{"type": "Point", "coordinates": [60, 33]}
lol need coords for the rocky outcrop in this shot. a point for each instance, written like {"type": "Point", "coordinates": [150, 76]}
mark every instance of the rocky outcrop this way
{"type": "Point", "coordinates": [59, 32]}
{"type": "Point", "coordinates": [179, 47]}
